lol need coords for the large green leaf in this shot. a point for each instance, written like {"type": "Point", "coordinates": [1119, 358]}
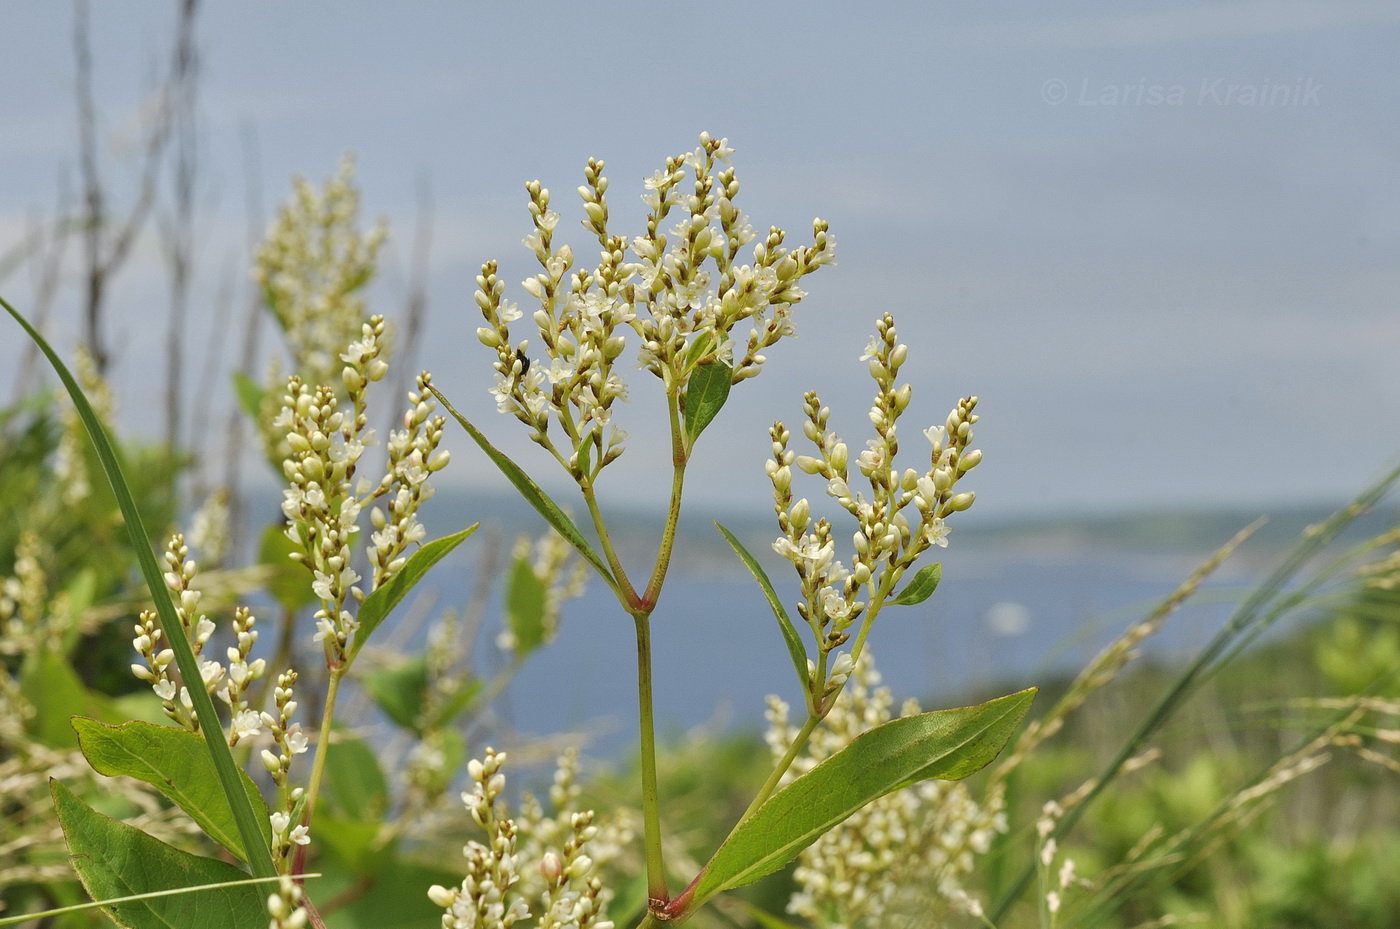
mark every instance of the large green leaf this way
{"type": "Point", "coordinates": [705, 394]}
{"type": "Point", "coordinates": [382, 600]}
{"type": "Point", "coordinates": [794, 641]}
{"type": "Point", "coordinates": [115, 860]}
{"type": "Point", "coordinates": [946, 744]}
{"type": "Point", "coordinates": [176, 763]}
{"type": "Point", "coordinates": [525, 605]}
{"type": "Point", "coordinates": [533, 495]}
{"type": "Point", "coordinates": [175, 637]}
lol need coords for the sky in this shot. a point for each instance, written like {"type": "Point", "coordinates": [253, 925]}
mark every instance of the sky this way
{"type": "Point", "coordinates": [1161, 242]}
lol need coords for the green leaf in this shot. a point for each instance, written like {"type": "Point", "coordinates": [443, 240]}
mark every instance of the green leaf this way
{"type": "Point", "coordinates": [355, 784]}
{"type": "Point", "coordinates": [399, 691]}
{"type": "Point", "coordinates": [175, 637]}
{"type": "Point", "coordinates": [177, 764]}
{"type": "Point", "coordinates": [705, 394]}
{"type": "Point", "coordinates": [946, 744]}
{"type": "Point", "coordinates": [525, 606]}
{"type": "Point", "coordinates": [250, 394]}
{"type": "Point", "coordinates": [391, 896]}
{"type": "Point", "coordinates": [288, 582]}
{"type": "Point", "coordinates": [115, 860]}
{"type": "Point", "coordinates": [796, 649]}
{"type": "Point", "coordinates": [354, 842]}
{"type": "Point", "coordinates": [921, 586]}
{"type": "Point", "coordinates": [382, 600]}
{"type": "Point", "coordinates": [533, 495]}
{"type": "Point", "coordinates": [702, 347]}
{"type": "Point", "coordinates": [56, 692]}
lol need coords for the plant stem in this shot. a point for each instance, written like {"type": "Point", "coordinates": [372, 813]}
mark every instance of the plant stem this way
{"type": "Point", "coordinates": [651, 803]}
{"type": "Point", "coordinates": [323, 743]}
{"type": "Point", "coordinates": [679, 456]}
{"type": "Point", "coordinates": [771, 785]}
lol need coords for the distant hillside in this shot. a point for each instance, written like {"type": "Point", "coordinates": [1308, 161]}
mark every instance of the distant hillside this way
{"type": "Point", "coordinates": [1149, 531]}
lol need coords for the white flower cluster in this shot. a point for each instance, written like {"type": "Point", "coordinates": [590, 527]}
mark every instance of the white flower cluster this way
{"type": "Point", "coordinates": [413, 455]}
{"type": "Point", "coordinates": [904, 517]}
{"type": "Point", "coordinates": [284, 906]}
{"type": "Point", "coordinates": [228, 683]}
{"type": "Point", "coordinates": [550, 862]}
{"type": "Point", "coordinates": [682, 295]}
{"type": "Point", "coordinates": [322, 513]}
{"type": "Point", "coordinates": [312, 265]}
{"type": "Point", "coordinates": [24, 600]}
{"type": "Point", "coordinates": [323, 501]}
{"type": "Point", "coordinates": [904, 855]}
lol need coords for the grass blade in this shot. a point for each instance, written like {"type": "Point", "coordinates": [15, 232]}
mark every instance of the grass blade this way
{"type": "Point", "coordinates": [260, 859]}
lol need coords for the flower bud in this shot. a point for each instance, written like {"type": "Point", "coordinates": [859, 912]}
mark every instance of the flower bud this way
{"type": "Point", "coordinates": [441, 896]}
{"type": "Point", "coordinates": [902, 396]}
{"type": "Point", "coordinates": [488, 337]}
{"type": "Point", "coordinates": [551, 869]}
{"type": "Point", "coordinates": [960, 502]}
{"type": "Point", "coordinates": [969, 460]}
{"type": "Point", "coordinates": [839, 457]}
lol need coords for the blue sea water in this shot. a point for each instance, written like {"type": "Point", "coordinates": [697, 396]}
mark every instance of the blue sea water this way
{"type": "Point", "coordinates": [998, 620]}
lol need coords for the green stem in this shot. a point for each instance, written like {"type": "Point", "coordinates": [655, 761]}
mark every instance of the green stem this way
{"type": "Point", "coordinates": [679, 457]}
{"type": "Point", "coordinates": [771, 785]}
{"type": "Point", "coordinates": [626, 593]}
{"type": "Point", "coordinates": [651, 796]}
{"type": "Point", "coordinates": [323, 744]}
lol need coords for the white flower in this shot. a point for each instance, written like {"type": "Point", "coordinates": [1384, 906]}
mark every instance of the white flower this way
{"type": "Point", "coordinates": [246, 723]}
{"type": "Point", "coordinates": [937, 532]}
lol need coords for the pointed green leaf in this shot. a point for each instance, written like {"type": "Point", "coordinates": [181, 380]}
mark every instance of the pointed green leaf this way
{"type": "Point", "coordinates": [947, 744]}
{"type": "Point", "coordinates": [176, 763]}
{"type": "Point", "coordinates": [525, 606]}
{"type": "Point", "coordinates": [921, 586]}
{"type": "Point", "coordinates": [382, 600]}
{"type": "Point", "coordinates": [533, 495]}
{"type": "Point", "coordinates": [250, 394]}
{"type": "Point", "coordinates": [703, 345]}
{"type": "Point", "coordinates": [705, 394]}
{"type": "Point", "coordinates": [115, 860]}
{"type": "Point", "coordinates": [175, 637]}
{"type": "Point", "coordinates": [796, 649]}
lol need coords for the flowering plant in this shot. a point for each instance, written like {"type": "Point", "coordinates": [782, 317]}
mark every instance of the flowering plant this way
{"type": "Point", "coordinates": [685, 294]}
